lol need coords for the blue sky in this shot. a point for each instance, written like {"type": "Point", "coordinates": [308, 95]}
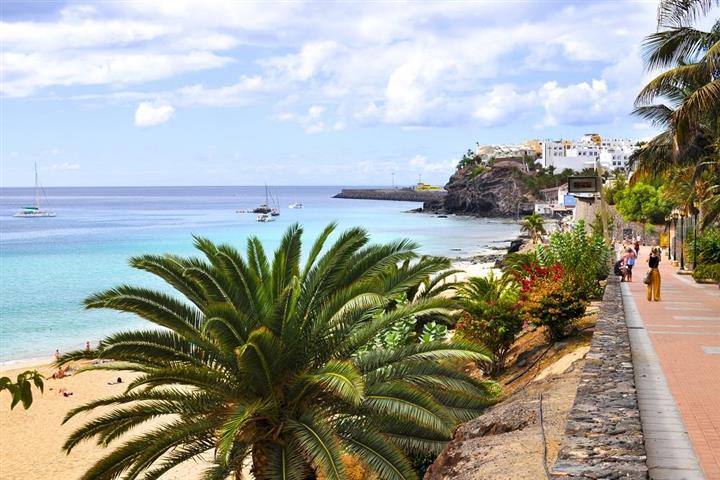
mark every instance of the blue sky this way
{"type": "Point", "coordinates": [213, 92]}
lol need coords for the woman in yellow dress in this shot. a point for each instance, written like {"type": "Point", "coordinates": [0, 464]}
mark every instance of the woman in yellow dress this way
{"type": "Point", "coordinates": [653, 287]}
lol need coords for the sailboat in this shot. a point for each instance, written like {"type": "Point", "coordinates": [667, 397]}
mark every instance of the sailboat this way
{"type": "Point", "coordinates": [35, 211]}
{"type": "Point", "coordinates": [276, 207]}
{"type": "Point", "coordinates": [295, 205]}
{"type": "Point", "coordinates": [264, 208]}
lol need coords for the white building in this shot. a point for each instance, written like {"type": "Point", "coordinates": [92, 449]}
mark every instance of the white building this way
{"type": "Point", "coordinates": [487, 152]}
{"type": "Point", "coordinates": [612, 153]}
{"type": "Point", "coordinates": [555, 200]}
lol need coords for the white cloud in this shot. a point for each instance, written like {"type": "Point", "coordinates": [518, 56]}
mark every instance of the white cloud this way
{"type": "Point", "coordinates": [578, 104]}
{"type": "Point", "coordinates": [313, 121]}
{"type": "Point", "coordinates": [65, 166]}
{"type": "Point", "coordinates": [153, 113]}
{"type": "Point", "coordinates": [26, 73]}
{"type": "Point", "coordinates": [421, 163]}
{"type": "Point", "coordinates": [502, 104]}
{"type": "Point", "coordinates": [408, 64]}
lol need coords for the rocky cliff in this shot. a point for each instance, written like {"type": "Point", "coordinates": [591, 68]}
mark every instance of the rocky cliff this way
{"type": "Point", "coordinates": [496, 192]}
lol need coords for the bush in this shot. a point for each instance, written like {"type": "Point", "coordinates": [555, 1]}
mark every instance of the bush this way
{"type": "Point", "coordinates": [584, 259]}
{"type": "Point", "coordinates": [705, 272]}
{"type": "Point", "coordinates": [708, 246]}
{"type": "Point", "coordinates": [490, 316]}
{"type": "Point", "coordinates": [551, 302]}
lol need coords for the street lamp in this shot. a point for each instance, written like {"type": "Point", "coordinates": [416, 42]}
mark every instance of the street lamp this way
{"type": "Point", "coordinates": [682, 241]}
{"type": "Point", "coordinates": [695, 222]}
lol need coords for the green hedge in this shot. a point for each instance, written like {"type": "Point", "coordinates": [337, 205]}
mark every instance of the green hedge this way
{"type": "Point", "coordinates": [704, 272]}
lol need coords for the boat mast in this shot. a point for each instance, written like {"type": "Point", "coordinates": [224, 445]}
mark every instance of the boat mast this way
{"type": "Point", "coordinates": [37, 193]}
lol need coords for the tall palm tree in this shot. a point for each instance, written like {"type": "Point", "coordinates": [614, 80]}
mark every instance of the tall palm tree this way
{"type": "Point", "coordinates": [684, 98]}
{"type": "Point", "coordinates": [261, 361]}
{"type": "Point", "coordinates": [534, 225]}
{"type": "Point", "coordinates": [680, 11]}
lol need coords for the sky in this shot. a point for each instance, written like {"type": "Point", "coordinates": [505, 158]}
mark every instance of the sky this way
{"type": "Point", "coordinates": [232, 92]}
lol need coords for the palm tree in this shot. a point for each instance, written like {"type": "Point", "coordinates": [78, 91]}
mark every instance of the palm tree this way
{"type": "Point", "coordinates": [679, 11]}
{"type": "Point", "coordinates": [534, 226]}
{"type": "Point", "coordinates": [491, 316]}
{"type": "Point", "coordinates": [262, 362]}
{"type": "Point", "coordinates": [684, 99]}
{"type": "Point", "coordinates": [439, 282]}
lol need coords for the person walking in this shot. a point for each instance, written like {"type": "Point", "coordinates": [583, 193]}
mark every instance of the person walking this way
{"type": "Point", "coordinates": [628, 262]}
{"type": "Point", "coordinates": [653, 284]}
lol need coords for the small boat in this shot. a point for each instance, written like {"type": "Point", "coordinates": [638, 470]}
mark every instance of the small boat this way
{"type": "Point", "coordinates": [264, 218]}
{"type": "Point", "coordinates": [35, 211]}
{"type": "Point", "coordinates": [295, 205]}
{"type": "Point", "coordinates": [264, 208]}
{"type": "Point", "coordinates": [276, 207]}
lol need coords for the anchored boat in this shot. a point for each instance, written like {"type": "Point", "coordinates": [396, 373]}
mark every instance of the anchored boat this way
{"type": "Point", "coordinates": [35, 211]}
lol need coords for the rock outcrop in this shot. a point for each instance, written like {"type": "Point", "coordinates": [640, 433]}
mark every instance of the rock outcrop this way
{"type": "Point", "coordinates": [497, 192]}
{"type": "Point", "coordinates": [506, 441]}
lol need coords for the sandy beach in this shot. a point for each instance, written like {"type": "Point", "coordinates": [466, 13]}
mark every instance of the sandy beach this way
{"type": "Point", "coordinates": [31, 440]}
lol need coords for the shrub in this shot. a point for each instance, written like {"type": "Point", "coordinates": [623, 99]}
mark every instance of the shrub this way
{"type": "Point", "coordinates": [708, 246]}
{"type": "Point", "coordinates": [584, 259]}
{"type": "Point", "coordinates": [490, 316]}
{"type": "Point", "coordinates": [551, 302]}
{"type": "Point", "coordinates": [705, 272]}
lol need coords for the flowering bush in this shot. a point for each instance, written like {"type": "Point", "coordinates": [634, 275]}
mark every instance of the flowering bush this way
{"type": "Point", "coordinates": [584, 259]}
{"type": "Point", "coordinates": [495, 325]}
{"type": "Point", "coordinates": [552, 302]}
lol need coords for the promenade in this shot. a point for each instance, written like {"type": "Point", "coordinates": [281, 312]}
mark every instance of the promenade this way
{"type": "Point", "coordinates": [676, 354]}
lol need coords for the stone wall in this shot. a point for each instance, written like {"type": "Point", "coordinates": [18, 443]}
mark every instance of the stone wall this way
{"type": "Point", "coordinates": [603, 436]}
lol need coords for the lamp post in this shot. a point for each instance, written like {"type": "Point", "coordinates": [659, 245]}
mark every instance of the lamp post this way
{"type": "Point", "coordinates": [674, 240]}
{"type": "Point", "coordinates": [695, 241]}
{"type": "Point", "coordinates": [682, 241]}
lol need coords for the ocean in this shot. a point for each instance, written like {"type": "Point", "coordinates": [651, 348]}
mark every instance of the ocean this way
{"type": "Point", "coordinates": [49, 265]}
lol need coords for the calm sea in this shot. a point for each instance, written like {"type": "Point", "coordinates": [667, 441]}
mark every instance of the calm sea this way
{"type": "Point", "coordinates": [49, 265]}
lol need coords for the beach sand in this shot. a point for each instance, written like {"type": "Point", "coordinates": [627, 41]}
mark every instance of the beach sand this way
{"type": "Point", "coordinates": [31, 440]}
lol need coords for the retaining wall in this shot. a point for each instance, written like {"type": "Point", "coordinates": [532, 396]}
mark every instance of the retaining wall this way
{"type": "Point", "coordinates": [603, 435]}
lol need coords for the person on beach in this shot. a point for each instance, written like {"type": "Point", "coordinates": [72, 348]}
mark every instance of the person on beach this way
{"type": "Point", "coordinates": [653, 286]}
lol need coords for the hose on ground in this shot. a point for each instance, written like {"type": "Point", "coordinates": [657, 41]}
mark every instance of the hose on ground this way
{"type": "Point", "coordinates": [521, 374]}
{"type": "Point", "coordinates": [544, 443]}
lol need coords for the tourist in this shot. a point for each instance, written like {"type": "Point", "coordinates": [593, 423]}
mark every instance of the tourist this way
{"type": "Point", "coordinates": [629, 262]}
{"type": "Point", "coordinates": [637, 247]}
{"type": "Point", "coordinates": [653, 279]}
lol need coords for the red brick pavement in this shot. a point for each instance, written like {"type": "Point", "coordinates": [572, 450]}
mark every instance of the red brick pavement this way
{"type": "Point", "coordinates": [684, 328]}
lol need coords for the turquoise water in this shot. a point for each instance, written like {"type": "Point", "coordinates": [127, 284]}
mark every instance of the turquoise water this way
{"type": "Point", "coordinates": [49, 265]}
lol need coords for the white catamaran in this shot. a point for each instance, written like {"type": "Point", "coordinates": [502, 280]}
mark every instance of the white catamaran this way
{"type": "Point", "coordinates": [35, 211]}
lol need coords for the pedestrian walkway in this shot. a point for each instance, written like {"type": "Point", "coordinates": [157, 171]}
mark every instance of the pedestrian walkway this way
{"type": "Point", "coordinates": [676, 347]}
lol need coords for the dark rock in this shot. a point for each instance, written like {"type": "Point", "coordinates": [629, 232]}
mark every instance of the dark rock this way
{"type": "Point", "coordinates": [515, 245]}
{"type": "Point", "coordinates": [495, 193]}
